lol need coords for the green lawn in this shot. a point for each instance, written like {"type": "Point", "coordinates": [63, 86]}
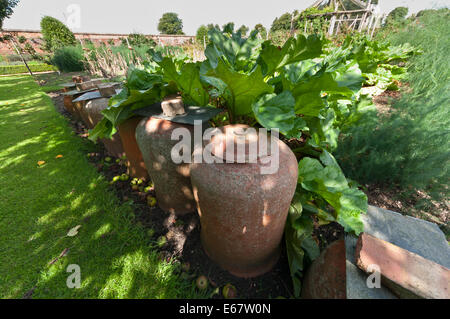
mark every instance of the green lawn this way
{"type": "Point", "coordinates": [39, 205]}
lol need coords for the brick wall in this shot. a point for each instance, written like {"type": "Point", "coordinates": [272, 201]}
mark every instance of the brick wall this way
{"type": "Point", "coordinates": [35, 38]}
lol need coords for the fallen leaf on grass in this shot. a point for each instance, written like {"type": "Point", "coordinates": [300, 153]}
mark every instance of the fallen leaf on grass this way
{"type": "Point", "coordinates": [63, 253]}
{"type": "Point", "coordinates": [40, 163]}
{"type": "Point", "coordinates": [74, 231]}
{"type": "Point", "coordinates": [59, 156]}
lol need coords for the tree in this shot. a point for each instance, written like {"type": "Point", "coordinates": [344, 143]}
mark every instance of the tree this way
{"type": "Point", "coordinates": [6, 9]}
{"type": "Point", "coordinates": [213, 26]}
{"type": "Point", "coordinates": [397, 15]}
{"type": "Point", "coordinates": [202, 34]}
{"type": "Point", "coordinates": [56, 34]}
{"type": "Point", "coordinates": [228, 28]}
{"type": "Point", "coordinates": [262, 30]}
{"type": "Point", "coordinates": [243, 29]}
{"type": "Point", "coordinates": [170, 23]}
{"type": "Point", "coordinates": [282, 23]}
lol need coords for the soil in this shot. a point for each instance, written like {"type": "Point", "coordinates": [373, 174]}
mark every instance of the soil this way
{"type": "Point", "coordinates": [178, 239]}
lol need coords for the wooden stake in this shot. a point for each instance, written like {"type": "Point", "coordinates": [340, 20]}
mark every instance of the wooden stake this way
{"type": "Point", "coordinates": [21, 56]}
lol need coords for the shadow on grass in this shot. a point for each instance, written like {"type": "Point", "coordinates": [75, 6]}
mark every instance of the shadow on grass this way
{"type": "Point", "coordinates": [40, 204]}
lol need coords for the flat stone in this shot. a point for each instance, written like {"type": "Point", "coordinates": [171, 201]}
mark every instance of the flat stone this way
{"type": "Point", "coordinates": [92, 95]}
{"type": "Point", "coordinates": [193, 113]}
{"type": "Point", "coordinates": [405, 273]}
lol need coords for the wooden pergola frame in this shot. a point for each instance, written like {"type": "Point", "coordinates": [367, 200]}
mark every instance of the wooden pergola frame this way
{"type": "Point", "coordinates": [364, 20]}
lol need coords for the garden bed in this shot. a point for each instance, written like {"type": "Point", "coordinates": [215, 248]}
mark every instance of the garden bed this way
{"type": "Point", "coordinates": [178, 239]}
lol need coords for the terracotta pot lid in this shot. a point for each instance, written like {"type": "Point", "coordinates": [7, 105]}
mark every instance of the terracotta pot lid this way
{"type": "Point", "coordinates": [240, 144]}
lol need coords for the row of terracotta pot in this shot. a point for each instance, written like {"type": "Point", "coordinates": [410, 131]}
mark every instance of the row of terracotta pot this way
{"type": "Point", "coordinates": [122, 143]}
{"type": "Point", "coordinates": [242, 212]}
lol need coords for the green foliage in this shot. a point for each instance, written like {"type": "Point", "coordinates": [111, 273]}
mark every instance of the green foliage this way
{"type": "Point", "coordinates": [55, 34]}
{"type": "Point", "coordinates": [283, 23]}
{"type": "Point", "coordinates": [397, 15]}
{"type": "Point", "coordinates": [243, 30]}
{"type": "Point", "coordinates": [21, 39]}
{"type": "Point", "coordinates": [410, 146]}
{"type": "Point", "coordinates": [69, 59]}
{"type": "Point", "coordinates": [202, 34]}
{"type": "Point", "coordinates": [228, 27]}
{"type": "Point", "coordinates": [262, 30]}
{"type": "Point", "coordinates": [21, 68]}
{"type": "Point", "coordinates": [307, 89]}
{"type": "Point", "coordinates": [139, 40]}
{"type": "Point", "coordinates": [313, 24]}
{"type": "Point", "coordinates": [170, 23]}
{"type": "Point", "coordinates": [6, 9]}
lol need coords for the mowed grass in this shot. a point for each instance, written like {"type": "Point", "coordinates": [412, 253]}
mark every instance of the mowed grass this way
{"type": "Point", "coordinates": [40, 204]}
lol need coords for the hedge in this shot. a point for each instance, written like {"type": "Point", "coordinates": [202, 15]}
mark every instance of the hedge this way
{"type": "Point", "coordinates": [16, 69]}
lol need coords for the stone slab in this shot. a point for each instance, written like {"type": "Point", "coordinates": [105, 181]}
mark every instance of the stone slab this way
{"type": "Point", "coordinates": [192, 114]}
{"type": "Point", "coordinates": [92, 95]}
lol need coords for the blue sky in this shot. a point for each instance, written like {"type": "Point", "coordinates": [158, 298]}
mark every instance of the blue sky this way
{"type": "Point", "coordinates": [107, 16]}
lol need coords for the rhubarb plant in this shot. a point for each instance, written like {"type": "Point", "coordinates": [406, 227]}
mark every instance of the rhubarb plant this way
{"type": "Point", "coordinates": [308, 89]}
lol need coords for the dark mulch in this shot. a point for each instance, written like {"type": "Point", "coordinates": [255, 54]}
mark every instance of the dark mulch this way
{"type": "Point", "coordinates": [179, 238]}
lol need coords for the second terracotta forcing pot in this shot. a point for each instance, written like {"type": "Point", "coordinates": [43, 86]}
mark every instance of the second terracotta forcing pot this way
{"type": "Point", "coordinates": [242, 211]}
{"type": "Point", "coordinates": [92, 116]}
{"type": "Point", "coordinates": [172, 181]}
{"type": "Point", "coordinates": [135, 161]}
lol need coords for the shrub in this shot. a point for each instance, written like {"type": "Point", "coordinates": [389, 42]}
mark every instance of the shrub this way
{"type": "Point", "coordinates": [56, 34]}
{"type": "Point", "coordinates": [22, 39]}
{"type": "Point", "coordinates": [69, 59]}
{"type": "Point", "coordinates": [138, 39]}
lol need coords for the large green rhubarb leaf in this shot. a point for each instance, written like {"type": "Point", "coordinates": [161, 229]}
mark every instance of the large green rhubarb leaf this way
{"type": "Point", "coordinates": [277, 112]}
{"type": "Point", "coordinates": [294, 50]}
{"type": "Point", "coordinates": [187, 81]}
{"type": "Point", "coordinates": [241, 89]}
{"type": "Point", "coordinates": [330, 184]}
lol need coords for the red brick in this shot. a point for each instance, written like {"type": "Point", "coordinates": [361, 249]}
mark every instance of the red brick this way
{"type": "Point", "coordinates": [405, 273]}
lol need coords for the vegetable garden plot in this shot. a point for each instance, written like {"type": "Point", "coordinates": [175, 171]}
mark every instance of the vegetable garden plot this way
{"type": "Point", "coordinates": [308, 89]}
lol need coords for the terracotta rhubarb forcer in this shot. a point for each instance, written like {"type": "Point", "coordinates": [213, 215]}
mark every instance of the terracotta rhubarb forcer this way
{"type": "Point", "coordinates": [135, 161]}
{"type": "Point", "coordinates": [92, 110]}
{"type": "Point", "coordinates": [79, 109]}
{"type": "Point", "coordinates": [242, 211]}
{"type": "Point", "coordinates": [70, 107]}
{"type": "Point", "coordinates": [172, 181]}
